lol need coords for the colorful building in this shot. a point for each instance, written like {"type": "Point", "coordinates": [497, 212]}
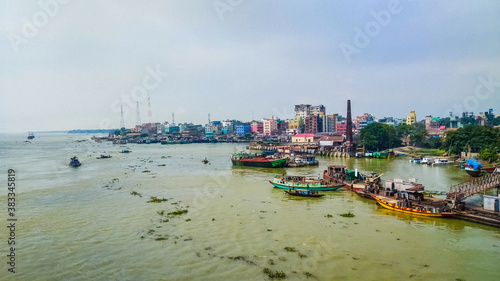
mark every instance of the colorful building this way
{"type": "Point", "coordinates": [412, 119]}
{"type": "Point", "coordinates": [303, 138]}
{"type": "Point", "coordinates": [242, 129]}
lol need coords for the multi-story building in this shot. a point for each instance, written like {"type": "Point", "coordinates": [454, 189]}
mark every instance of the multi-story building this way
{"type": "Point", "coordinates": [270, 126]}
{"type": "Point", "coordinates": [257, 127]}
{"type": "Point", "coordinates": [311, 124]}
{"type": "Point", "coordinates": [341, 129]}
{"type": "Point", "coordinates": [412, 119]}
{"type": "Point", "coordinates": [331, 123]}
{"type": "Point", "coordinates": [304, 110]}
{"type": "Point", "coordinates": [242, 129]}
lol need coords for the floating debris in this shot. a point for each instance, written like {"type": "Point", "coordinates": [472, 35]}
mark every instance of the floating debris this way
{"type": "Point", "coordinates": [146, 171]}
{"type": "Point", "coordinates": [135, 193]}
{"type": "Point", "coordinates": [177, 213]}
{"type": "Point", "coordinates": [290, 249]}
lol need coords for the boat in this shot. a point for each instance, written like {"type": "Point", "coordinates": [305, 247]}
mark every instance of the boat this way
{"type": "Point", "coordinates": [31, 136]}
{"type": "Point", "coordinates": [303, 193]}
{"type": "Point", "coordinates": [258, 160]}
{"type": "Point", "coordinates": [74, 162]}
{"type": "Point", "coordinates": [304, 183]}
{"type": "Point", "coordinates": [473, 168]}
{"type": "Point", "coordinates": [406, 207]}
{"type": "Point", "coordinates": [441, 161]}
{"type": "Point", "coordinates": [302, 161]}
{"type": "Point", "coordinates": [125, 151]}
{"type": "Point", "coordinates": [380, 155]}
{"type": "Point", "coordinates": [427, 160]}
{"type": "Point", "coordinates": [359, 155]}
{"type": "Point", "coordinates": [416, 160]}
{"type": "Point", "coordinates": [495, 169]}
{"type": "Point", "coordinates": [104, 156]}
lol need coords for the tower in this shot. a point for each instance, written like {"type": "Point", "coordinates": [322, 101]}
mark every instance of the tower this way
{"type": "Point", "coordinates": [150, 114]}
{"type": "Point", "coordinates": [173, 119]}
{"type": "Point", "coordinates": [122, 120]}
{"type": "Point", "coordinates": [349, 144]}
{"type": "Point", "coordinates": [138, 117]}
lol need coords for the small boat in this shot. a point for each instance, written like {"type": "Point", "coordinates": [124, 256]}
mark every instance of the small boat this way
{"type": "Point", "coordinates": [473, 168]}
{"type": "Point", "coordinates": [441, 161]}
{"type": "Point", "coordinates": [303, 193]}
{"type": "Point", "coordinates": [205, 161]}
{"type": "Point", "coordinates": [74, 162]}
{"type": "Point", "coordinates": [258, 160]}
{"type": "Point", "coordinates": [495, 169]}
{"type": "Point", "coordinates": [104, 156]}
{"type": "Point", "coordinates": [405, 207]}
{"type": "Point", "coordinates": [380, 155]}
{"type": "Point", "coordinates": [359, 155]}
{"type": "Point", "coordinates": [31, 136]}
{"type": "Point", "coordinates": [302, 161]}
{"type": "Point", "coordinates": [427, 161]}
{"type": "Point", "coordinates": [416, 160]}
{"type": "Point", "coordinates": [304, 183]}
{"type": "Point", "coordinates": [125, 151]}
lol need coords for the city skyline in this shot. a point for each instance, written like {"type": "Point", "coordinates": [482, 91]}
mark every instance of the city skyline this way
{"type": "Point", "coordinates": [242, 60]}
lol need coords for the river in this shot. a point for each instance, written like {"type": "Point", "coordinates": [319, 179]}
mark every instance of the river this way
{"type": "Point", "coordinates": [95, 223]}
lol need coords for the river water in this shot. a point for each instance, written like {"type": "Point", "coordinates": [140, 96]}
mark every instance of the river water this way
{"type": "Point", "coordinates": [95, 223]}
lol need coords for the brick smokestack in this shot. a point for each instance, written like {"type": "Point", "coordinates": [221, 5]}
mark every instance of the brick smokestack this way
{"type": "Point", "coordinates": [349, 127]}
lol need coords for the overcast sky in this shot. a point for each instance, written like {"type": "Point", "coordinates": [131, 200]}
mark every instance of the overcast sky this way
{"type": "Point", "coordinates": [72, 64]}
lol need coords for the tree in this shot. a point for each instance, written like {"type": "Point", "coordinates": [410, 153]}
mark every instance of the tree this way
{"type": "Point", "coordinates": [474, 137]}
{"type": "Point", "coordinates": [419, 134]}
{"type": "Point", "coordinates": [378, 136]}
{"type": "Point", "coordinates": [117, 132]}
{"type": "Point", "coordinates": [489, 154]}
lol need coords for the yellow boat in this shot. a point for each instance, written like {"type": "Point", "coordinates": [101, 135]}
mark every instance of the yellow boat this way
{"type": "Point", "coordinates": [409, 210]}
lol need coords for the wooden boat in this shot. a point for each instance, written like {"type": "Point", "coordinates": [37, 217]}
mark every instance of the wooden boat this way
{"type": "Point", "coordinates": [303, 193]}
{"type": "Point", "coordinates": [494, 169]}
{"type": "Point", "coordinates": [303, 183]}
{"type": "Point", "coordinates": [399, 206]}
{"type": "Point", "coordinates": [104, 156]}
{"type": "Point", "coordinates": [74, 162]}
{"type": "Point", "coordinates": [258, 160]}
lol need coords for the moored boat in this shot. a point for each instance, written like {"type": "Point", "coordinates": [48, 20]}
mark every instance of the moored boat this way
{"type": "Point", "coordinates": [304, 183]}
{"type": "Point", "coordinates": [303, 193]}
{"type": "Point", "coordinates": [74, 162]}
{"type": "Point", "coordinates": [406, 207]}
{"type": "Point", "coordinates": [473, 168]}
{"type": "Point", "coordinates": [441, 161]}
{"type": "Point", "coordinates": [427, 160]}
{"type": "Point", "coordinates": [258, 160]}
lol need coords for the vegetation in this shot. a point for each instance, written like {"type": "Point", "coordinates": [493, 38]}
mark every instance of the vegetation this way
{"type": "Point", "coordinates": [378, 136]}
{"type": "Point", "coordinates": [290, 249]}
{"type": "Point", "coordinates": [177, 213]}
{"type": "Point", "coordinates": [347, 215]}
{"type": "Point", "coordinates": [156, 200]}
{"type": "Point", "coordinates": [473, 137]}
{"type": "Point", "coordinates": [136, 193]}
{"type": "Point", "coordinates": [276, 274]}
{"type": "Point", "coordinates": [489, 154]}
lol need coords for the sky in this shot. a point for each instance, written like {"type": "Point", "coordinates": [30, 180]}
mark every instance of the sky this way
{"type": "Point", "coordinates": [74, 64]}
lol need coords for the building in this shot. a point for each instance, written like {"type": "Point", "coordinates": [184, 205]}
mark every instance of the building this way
{"type": "Point", "coordinates": [270, 126]}
{"type": "Point", "coordinates": [331, 123]}
{"type": "Point", "coordinates": [412, 119]}
{"type": "Point", "coordinates": [303, 138]}
{"type": "Point", "coordinates": [257, 127]}
{"type": "Point", "coordinates": [330, 142]}
{"type": "Point", "coordinates": [311, 124]}
{"type": "Point", "coordinates": [242, 129]}
{"type": "Point", "coordinates": [341, 129]}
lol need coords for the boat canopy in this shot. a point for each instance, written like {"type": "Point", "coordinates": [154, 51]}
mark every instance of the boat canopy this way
{"type": "Point", "coordinates": [472, 162]}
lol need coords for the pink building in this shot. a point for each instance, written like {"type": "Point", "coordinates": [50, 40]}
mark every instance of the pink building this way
{"type": "Point", "coordinates": [257, 127]}
{"type": "Point", "coordinates": [341, 128]}
{"type": "Point", "coordinates": [270, 125]}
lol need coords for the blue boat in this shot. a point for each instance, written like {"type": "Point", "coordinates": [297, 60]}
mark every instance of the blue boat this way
{"type": "Point", "coordinates": [74, 162]}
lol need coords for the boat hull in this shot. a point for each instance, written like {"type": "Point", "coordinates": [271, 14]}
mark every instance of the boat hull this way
{"type": "Point", "coordinates": [264, 163]}
{"type": "Point", "coordinates": [410, 210]}
{"type": "Point", "coordinates": [303, 194]}
{"type": "Point", "coordinates": [313, 188]}
{"type": "Point", "coordinates": [473, 172]}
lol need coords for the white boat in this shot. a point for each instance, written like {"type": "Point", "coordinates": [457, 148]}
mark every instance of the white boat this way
{"type": "Point", "coordinates": [427, 160]}
{"type": "Point", "coordinates": [441, 161]}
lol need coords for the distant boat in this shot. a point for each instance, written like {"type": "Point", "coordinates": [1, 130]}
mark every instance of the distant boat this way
{"type": "Point", "coordinates": [74, 162]}
{"type": "Point", "coordinates": [125, 151]}
{"type": "Point", "coordinates": [104, 156]}
{"type": "Point", "coordinates": [258, 160]}
{"type": "Point", "coordinates": [441, 161]}
{"type": "Point", "coordinates": [303, 193]}
{"type": "Point", "coordinates": [31, 136]}
{"type": "Point", "coordinates": [416, 160]}
{"type": "Point", "coordinates": [427, 161]}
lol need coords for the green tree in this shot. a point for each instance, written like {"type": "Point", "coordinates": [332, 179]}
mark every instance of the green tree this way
{"type": "Point", "coordinates": [489, 154]}
{"type": "Point", "coordinates": [117, 132]}
{"type": "Point", "coordinates": [418, 135]}
{"type": "Point", "coordinates": [474, 137]}
{"type": "Point", "coordinates": [378, 136]}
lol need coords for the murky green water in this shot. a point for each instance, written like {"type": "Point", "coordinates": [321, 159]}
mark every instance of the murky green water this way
{"type": "Point", "coordinates": [84, 223]}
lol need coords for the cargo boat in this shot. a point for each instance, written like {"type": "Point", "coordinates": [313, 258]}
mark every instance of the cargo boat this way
{"type": "Point", "coordinates": [405, 207]}
{"type": "Point", "coordinates": [304, 183]}
{"type": "Point", "coordinates": [258, 160]}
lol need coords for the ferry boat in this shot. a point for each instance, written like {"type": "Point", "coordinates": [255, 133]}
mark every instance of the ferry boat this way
{"type": "Point", "coordinates": [258, 160]}
{"type": "Point", "coordinates": [304, 183]}
{"type": "Point", "coordinates": [74, 162]}
{"type": "Point", "coordinates": [405, 207]}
